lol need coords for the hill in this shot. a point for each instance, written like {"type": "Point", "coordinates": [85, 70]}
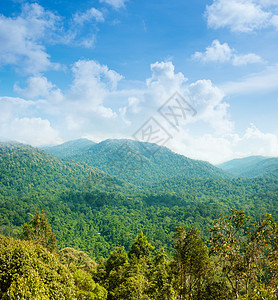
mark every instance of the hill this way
{"type": "Point", "coordinates": [135, 162]}
{"type": "Point", "coordinates": [252, 166]}
{"type": "Point", "coordinates": [69, 148]}
{"type": "Point", "coordinates": [94, 212]}
{"type": "Point", "coordinates": [25, 168]}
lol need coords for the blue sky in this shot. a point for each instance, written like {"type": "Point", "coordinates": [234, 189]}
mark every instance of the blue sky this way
{"type": "Point", "coordinates": [100, 69]}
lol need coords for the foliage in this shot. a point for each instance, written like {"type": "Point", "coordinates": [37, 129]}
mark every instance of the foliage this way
{"type": "Point", "coordinates": [242, 250]}
{"type": "Point", "coordinates": [40, 232]}
{"type": "Point", "coordinates": [29, 269]}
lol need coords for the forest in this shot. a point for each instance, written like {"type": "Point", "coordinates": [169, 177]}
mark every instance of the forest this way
{"type": "Point", "coordinates": [209, 235]}
{"type": "Point", "coordinates": [238, 261]}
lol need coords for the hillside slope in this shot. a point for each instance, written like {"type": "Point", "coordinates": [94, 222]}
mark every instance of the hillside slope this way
{"type": "Point", "coordinates": [69, 148]}
{"type": "Point", "coordinates": [25, 168]}
{"type": "Point", "coordinates": [93, 212]}
{"type": "Point", "coordinates": [133, 161]}
{"type": "Point", "coordinates": [252, 166]}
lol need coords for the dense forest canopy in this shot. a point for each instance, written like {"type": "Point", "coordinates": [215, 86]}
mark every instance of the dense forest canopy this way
{"type": "Point", "coordinates": [239, 261]}
{"type": "Point", "coordinates": [119, 238]}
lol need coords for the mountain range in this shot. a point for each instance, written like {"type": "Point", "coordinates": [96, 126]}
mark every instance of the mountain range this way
{"type": "Point", "coordinates": [101, 195]}
{"type": "Point", "coordinates": [137, 162]}
{"type": "Point", "coordinates": [252, 166]}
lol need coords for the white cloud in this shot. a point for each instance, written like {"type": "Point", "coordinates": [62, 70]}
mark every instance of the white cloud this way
{"type": "Point", "coordinates": [221, 148]}
{"type": "Point", "coordinates": [37, 86]}
{"type": "Point", "coordinates": [244, 59]}
{"type": "Point", "coordinates": [92, 83]}
{"type": "Point", "coordinates": [115, 3]}
{"type": "Point", "coordinates": [218, 52]}
{"type": "Point", "coordinates": [240, 15]}
{"type": "Point", "coordinates": [90, 14]}
{"type": "Point", "coordinates": [34, 131]}
{"type": "Point", "coordinates": [215, 52]}
{"type": "Point", "coordinates": [207, 99]}
{"type": "Point", "coordinates": [86, 110]}
{"type": "Point", "coordinates": [258, 82]}
{"type": "Point", "coordinates": [164, 81]}
{"type": "Point", "coordinates": [21, 39]}
{"type": "Point", "coordinates": [274, 21]}
{"type": "Point", "coordinates": [11, 107]}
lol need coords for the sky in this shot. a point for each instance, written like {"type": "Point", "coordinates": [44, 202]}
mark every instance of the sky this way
{"type": "Point", "coordinates": [199, 77]}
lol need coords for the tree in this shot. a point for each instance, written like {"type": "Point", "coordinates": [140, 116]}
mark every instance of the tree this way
{"type": "Point", "coordinates": [39, 231]}
{"type": "Point", "coordinates": [29, 271]}
{"type": "Point", "coordinates": [242, 250]}
{"type": "Point", "coordinates": [161, 281]}
{"type": "Point", "coordinates": [191, 263]}
{"type": "Point", "coordinates": [86, 288]}
{"type": "Point", "coordinates": [141, 247]}
{"type": "Point", "coordinates": [79, 259]}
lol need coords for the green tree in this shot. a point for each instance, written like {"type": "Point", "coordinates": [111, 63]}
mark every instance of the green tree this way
{"type": "Point", "coordinates": [39, 231]}
{"type": "Point", "coordinates": [71, 257]}
{"type": "Point", "coordinates": [242, 250]}
{"type": "Point", "coordinates": [191, 263]}
{"type": "Point", "coordinates": [141, 247]}
{"type": "Point", "coordinates": [160, 277]}
{"type": "Point", "coordinates": [29, 271]}
{"type": "Point", "coordinates": [86, 287]}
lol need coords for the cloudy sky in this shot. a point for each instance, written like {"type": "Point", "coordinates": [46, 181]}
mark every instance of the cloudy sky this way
{"type": "Point", "coordinates": [108, 69]}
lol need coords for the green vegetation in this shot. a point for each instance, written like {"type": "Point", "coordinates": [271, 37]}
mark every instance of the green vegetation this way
{"type": "Point", "coordinates": [238, 262]}
{"type": "Point", "coordinates": [139, 238]}
{"type": "Point", "coordinates": [93, 212]}
{"type": "Point", "coordinates": [133, 161]}
{"type": "Point", "coordinates": [252, 166]}
{"type": "Point", "coordinates": [69, 148]}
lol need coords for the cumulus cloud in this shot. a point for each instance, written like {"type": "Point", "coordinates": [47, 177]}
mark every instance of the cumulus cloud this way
{"type": "Point", "coordinates": [164, 81]}
{"type": "Point", "coordinates": [205, 98]}
{"type": "Point", "coordinates": [218, 52]}
{"type": "Point", "coordinates": [34, 131]}
{"type": "Point", "coordinates": [39, 86]}
{"type": "Point", "coordinates": [241, 15]}
{"type": "Point", "coordinates": [220, 148]}
{"type": "Point", "coordinates": [208, 100]}
{"type": "Point", "coordinates": [115, 3]}
{"type": "Point", "coordinates": [12, 107]}
{"type": "Point", "coordinates": [85, 109]}
{"type": "Point", "coordinates": [21, 39]}
{"type": "Point", "coordinates": [92, 83]}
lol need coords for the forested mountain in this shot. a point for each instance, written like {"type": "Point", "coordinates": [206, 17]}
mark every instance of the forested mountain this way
{"type": "Point", "coordinates": [69, 148]}
{"type": "Point", "coordinates": [27, 169]}
{"type": "Point", "coordinates": [141, 163]}
{"type": "Point", "coordinates": [94, 212]}
{"type": "Point", "coordinates": [252, 166]}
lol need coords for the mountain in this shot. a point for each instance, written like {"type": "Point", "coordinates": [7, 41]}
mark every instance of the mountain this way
{"type": "Point", "coordinates": [252, 166]}
{"type": "Point", "coordinates": [32, 180]}
{"type": "Point", "coordinates": [69, 148]}
{"type": "Point", "coordinates": [94, 212]}
{"type": "Point", "coordinates": [25, 168]}
{"type": "Point", "coordinates": [140, 163]}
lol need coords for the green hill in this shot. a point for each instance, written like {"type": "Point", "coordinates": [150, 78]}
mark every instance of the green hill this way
{"type": "Point", "coordinates": [69, 148]}
{"type": "Point", "coordinates": [94, 212]}
{"type": "Point", "coordinates": [252, 166]}
{"type": "Point", "coordinates": [135, 162]}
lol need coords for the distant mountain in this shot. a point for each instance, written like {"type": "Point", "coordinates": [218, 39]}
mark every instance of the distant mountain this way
{"type": "Point", "coordinates": [137, 163]}
{"type": "Point", "coordinates": [95, 212]}
{"type": "Point", "coordinates": [69, 148]}
{"type": "Point", "coordinates": [24, 168]}
{"type": "Point", "coordinates": [252, 166]}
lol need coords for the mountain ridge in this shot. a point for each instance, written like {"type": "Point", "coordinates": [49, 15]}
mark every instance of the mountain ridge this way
{"type": "Point", "coordinates": [139, 162]}
{"type": "Point", "coordinates": [252, 166]}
